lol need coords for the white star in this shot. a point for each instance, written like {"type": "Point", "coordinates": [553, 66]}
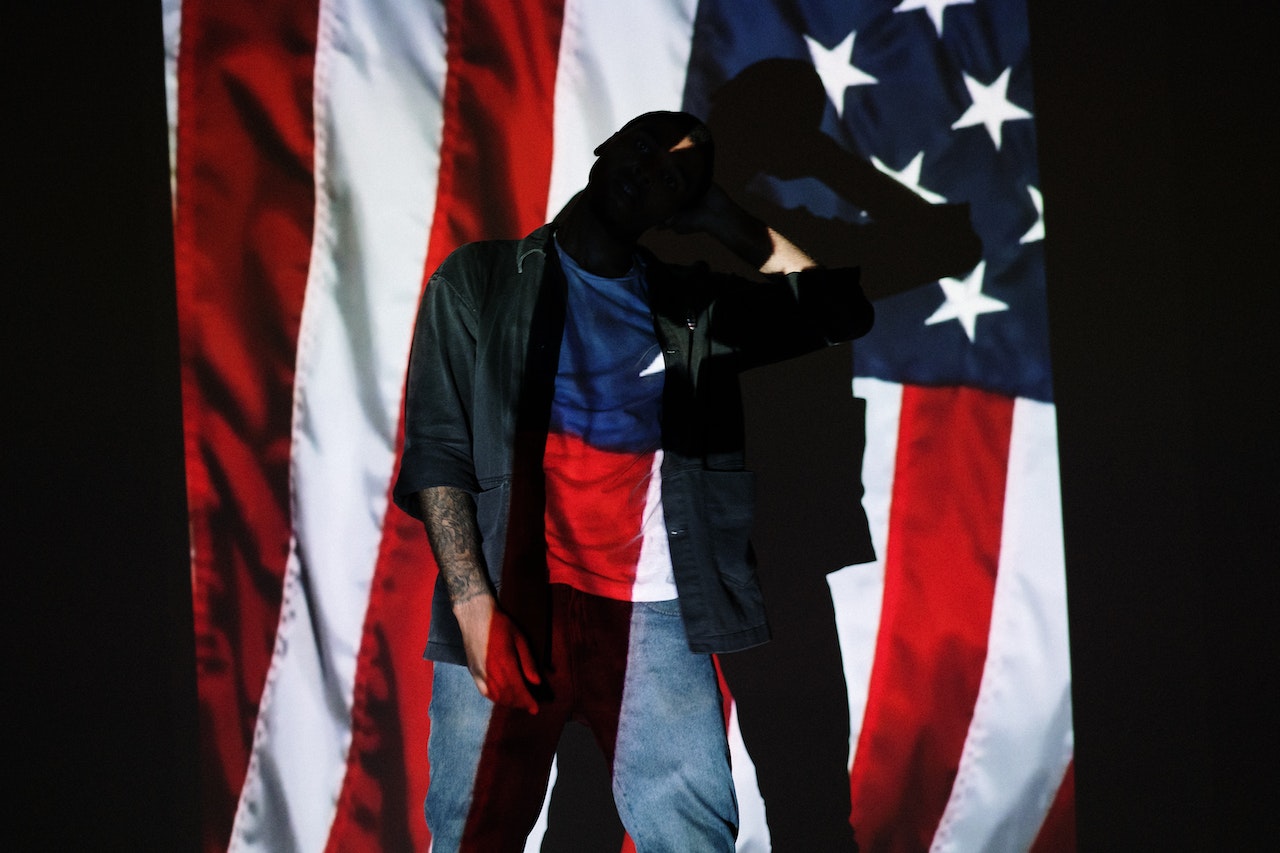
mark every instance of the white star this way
{"type": "Point", "coordinates": [909, 177]}
{"type": "Point", "coordinates": [1036, 231]}
{"type": "Point", "coordinates": [836, 69]}
{"type": "Point", "coordinates": [658, 365]}
{"type": "Point", "coordinates": [990, 107]}
{"type": "Point", "coordinates": [934, 7]}
{"type": "Point", "coordinates": [965, 301]}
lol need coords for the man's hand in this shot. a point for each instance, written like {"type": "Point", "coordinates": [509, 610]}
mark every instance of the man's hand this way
{"type": "Point", "coordinates": [498, 655]}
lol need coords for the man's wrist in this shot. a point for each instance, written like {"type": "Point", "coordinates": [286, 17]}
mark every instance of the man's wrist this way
{"type": "Point", "coordinates": [472, 600]}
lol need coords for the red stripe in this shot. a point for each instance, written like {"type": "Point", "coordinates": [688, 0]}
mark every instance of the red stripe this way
{"type": "Point", "coordinates": [940, 571]}
{"type": "Point", "coordinates": [595, 510]}
{"type": "Point", "coordinates": [495, 171]}
{"type": "Point", "coordinates": [499, 103]}
{"type": "Point", "coordinates": [243, 224]}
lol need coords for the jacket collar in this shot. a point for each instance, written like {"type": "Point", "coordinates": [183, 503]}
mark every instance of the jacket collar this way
{"type": "Point", "coordinates": [535, 243]}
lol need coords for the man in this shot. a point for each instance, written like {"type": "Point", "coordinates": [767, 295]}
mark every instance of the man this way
{"type": "Point", "coordinates": [574, 449]}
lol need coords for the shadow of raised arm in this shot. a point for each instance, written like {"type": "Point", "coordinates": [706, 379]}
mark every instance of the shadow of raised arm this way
{"type": "Point", "coordinates": [768, 122]}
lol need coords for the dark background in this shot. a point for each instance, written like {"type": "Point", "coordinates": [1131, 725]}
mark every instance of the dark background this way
{"type": "Point", "coordinates": [1158, 140]}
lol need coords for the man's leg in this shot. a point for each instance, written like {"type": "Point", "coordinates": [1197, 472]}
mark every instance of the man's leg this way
{"type": "Point", "coordinates": [671, 776]}
{"type": "Point", "coordinates": [489, 766]}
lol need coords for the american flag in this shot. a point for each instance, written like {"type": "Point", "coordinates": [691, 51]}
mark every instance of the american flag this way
{"type": "Point", "coordinates": [328, 154]}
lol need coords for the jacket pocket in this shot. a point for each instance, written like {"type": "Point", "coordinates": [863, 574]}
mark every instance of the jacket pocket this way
{"type": "Point", "coordinates": [728, 501]}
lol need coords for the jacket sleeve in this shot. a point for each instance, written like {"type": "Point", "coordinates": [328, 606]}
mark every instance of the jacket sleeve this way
{"type": "Point", "coordinates": [832, 301]}
{"type": "Point", "coordinates": [792, 314]}
{"type": "Point", "coordinates": [438, 396]}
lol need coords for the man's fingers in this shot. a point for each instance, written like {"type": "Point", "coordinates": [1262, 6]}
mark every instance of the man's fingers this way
{"type": "Point", "coordinates": [522, 668]}
{"type": "Point", "coordinates": [513, 691]}
{"type": "Point", "coordinates": [528, 667]}
{"type": "Point", "coordinates": [524, 699]}
{"type": "Point", "coordinates": [509, 663]}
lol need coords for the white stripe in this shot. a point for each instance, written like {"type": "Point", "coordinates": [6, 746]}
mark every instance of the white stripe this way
{"type": "Point", "coordinates": [655, 580]}
{"type": "Point", "coordinates": [378, 77]}
{"type": "Point", "coordinates": [858, 591]}
{"type": "Point", "coordinates": [533, 844]}
{"type": "Point", "coordinates": [171, 16]}
{"type": "Point", "coordinates": [617, 60]}
{"type": "Point", "coordinates": [1020, 739]}
{"type": "Point", "coordinates": [753, 828]}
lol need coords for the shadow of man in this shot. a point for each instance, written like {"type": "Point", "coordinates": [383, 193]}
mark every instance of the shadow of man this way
{"type": "Point", "coordinates": [805, 435]}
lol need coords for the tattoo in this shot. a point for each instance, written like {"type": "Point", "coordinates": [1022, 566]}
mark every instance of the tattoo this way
{"type": "Point", "coordinates": [450, 518]}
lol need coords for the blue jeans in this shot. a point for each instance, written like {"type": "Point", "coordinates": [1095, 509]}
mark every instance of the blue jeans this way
{"type": "Point", "coordinates": [625, 670]}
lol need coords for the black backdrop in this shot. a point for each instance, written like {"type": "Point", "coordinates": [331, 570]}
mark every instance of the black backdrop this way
{"type": "Point", "coordinates": [1157, 127]}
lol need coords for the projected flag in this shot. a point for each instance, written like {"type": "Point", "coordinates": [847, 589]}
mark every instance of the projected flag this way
{"type": "Point", "coordinates": [328, 155]}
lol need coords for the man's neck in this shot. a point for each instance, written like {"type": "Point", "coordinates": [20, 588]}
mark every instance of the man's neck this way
{"type": "Point", "coordinates": [593, 246]}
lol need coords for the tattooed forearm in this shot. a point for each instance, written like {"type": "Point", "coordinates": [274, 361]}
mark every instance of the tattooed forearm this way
{"type": "Point", "coordinates": [450, 519]}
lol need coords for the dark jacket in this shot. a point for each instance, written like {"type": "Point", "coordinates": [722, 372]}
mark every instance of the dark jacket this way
{"type": "Point", "coordinates": [478, 400]}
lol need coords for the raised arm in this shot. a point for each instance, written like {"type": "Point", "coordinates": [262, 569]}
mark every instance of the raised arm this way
{"type": "Point", "coordinates": [820, 306]}
{"type": "Point", "coordinates": [743, 234]}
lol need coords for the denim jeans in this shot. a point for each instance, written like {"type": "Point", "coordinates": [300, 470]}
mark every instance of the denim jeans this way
{"type": "Point", "coordinates": [625, 670]}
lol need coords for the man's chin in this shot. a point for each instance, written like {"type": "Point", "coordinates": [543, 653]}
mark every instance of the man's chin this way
{"type": "Point", "coordinates": [624, 232]}
{"type": "Point", "coordinates": [621, 223]}
{"type": "Point", "coordinates": [617, 214]}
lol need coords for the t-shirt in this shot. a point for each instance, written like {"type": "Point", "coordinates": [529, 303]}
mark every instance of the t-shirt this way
{"type": "Point", "coordinates": [605, 529]}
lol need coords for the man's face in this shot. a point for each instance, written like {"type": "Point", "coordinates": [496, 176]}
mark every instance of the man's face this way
{"type": "Point", "coordinates": [645, 174]}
